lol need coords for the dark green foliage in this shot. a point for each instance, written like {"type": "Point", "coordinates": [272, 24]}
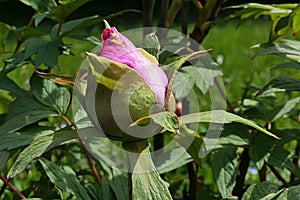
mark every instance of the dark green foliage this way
{"type": "Point", "coordinates": [49, 150]}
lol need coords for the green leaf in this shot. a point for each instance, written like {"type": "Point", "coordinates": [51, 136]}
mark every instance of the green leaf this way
{"type": "Point", "coordinates": [167, 120]}
{"type": "Point", "coordinates": [25, 118]}
{"type": "Point", "coordinates": [264, 149]}
{"type": "Point", "coordinates": [283, 25]}
{"type": "Point", "coordinates": [4, 30]}
{"type": "Point", "coordinates": [64, 179]}
{"type": "Point", "coordinates": [102, 191]}
{"type": "Point", "coordinates": [169, 160]}
{"type": "Point", "coordinates": [25, 110]}
{"type": "Point", "coordinates": [38, 147]}
{"type": "Point", "coordinates": [291, 193]}
{"type": "Point", "coordinates": [280, 84]}
{"type": "Point", "coordinates": [287, 65]}
{"type": "Point", "coordinates": [145, 184]}
{"type": "Point", "coordinates": [41, 6]}
{"type": "Point", "coordinates": [224, 166]}
{"type": "Point", "coordinates": [296, 20]}
{"type": "Point", "coordinates": [46, 52]}
{"type": "Point", "coordinates": [233, 134]}
{"type": "Point", "coordinates": [61, 12]}
{"type": "Point", "coordinates": [4, 156]}
{"type": "Point", "coordinates": [202, 73]}
{"type": "Point", "coordinates": [23, 137]}
{"type": "Point", "coordinates": [50, 94]}
{"type": "Point", "coordinates": [285, 108]}
{"type": "Point", "coordinates": [220, 117]}
{"type": "Point", "coordinates": [119, 185]}
{"type": "Point", "coordinates": [260, 190]}
{"type": "Point", "coordinates": [190, 75]}
{"type": "Point", "coordinates": [286, 49]}
{"type": "Point", "coordinates": [151, 44]}
{"type": "Point", "coordinates": [9, 85]}
{"type": "Point", "coordinates": [191, 141]}
{"type": "Point", "coordinates": [77, 24]}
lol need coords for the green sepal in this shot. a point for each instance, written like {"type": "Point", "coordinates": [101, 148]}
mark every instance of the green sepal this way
{"type": "Point", "coordinates": [128, 90]}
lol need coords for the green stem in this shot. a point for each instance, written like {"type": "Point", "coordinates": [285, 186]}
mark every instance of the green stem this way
{"type": "Point", "coordinates": [148, 6]}
{"type": "Point", "coordinates": [143, 178]}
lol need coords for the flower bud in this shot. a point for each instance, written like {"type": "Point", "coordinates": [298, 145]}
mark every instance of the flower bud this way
{"type": "Point", "coordinates": [130, 85]}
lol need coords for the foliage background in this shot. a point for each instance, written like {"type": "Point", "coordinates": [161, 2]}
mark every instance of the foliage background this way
{"type": "Point", "coordinates": [243, 77]}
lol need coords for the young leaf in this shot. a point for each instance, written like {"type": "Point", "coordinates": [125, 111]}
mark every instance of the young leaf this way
{"type": "Point", "coordinates": [65, 180]}
{"type": "Point", "coordinates": [224, 166]}
{"type": "Point", "coordinates": [220, 117]}
{"type": "Point", "coordinates": [38, 147]}
{"type": "Point", "coordinates": [260, 190]}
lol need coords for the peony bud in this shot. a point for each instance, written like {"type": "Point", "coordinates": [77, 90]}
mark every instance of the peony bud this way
{"type": "Point", "coordinates": [130, 86]}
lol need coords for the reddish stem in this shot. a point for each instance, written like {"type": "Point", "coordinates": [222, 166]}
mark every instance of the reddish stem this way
{"type": "Point", "coordinates": [87, 153]}
{"type": "Point", "coordinates": [6, 182]}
